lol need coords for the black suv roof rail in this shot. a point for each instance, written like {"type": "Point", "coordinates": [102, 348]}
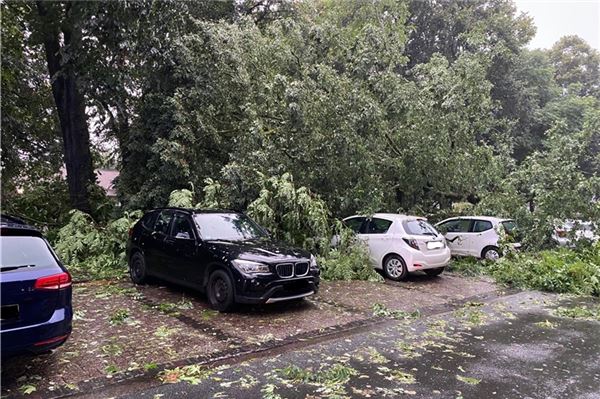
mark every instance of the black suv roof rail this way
{"type": "Point", "coordinates": [195, 210]}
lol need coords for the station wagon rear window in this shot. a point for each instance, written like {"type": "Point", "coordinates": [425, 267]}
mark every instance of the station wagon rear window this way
{"type": "Point", "coordinates": [18, 253]}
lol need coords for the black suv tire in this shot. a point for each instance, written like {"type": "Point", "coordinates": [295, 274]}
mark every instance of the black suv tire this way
{"type": "Point", "coordinates": [220, 291]}
{"type": "Point", "coordinates": [137, 268]}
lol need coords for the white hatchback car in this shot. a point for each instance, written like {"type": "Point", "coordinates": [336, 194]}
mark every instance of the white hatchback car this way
{"type": "Point", "coordinates": [475, 235]}
{"type": "Point", "coordinates": [569, 232]}
{"type": "Point", "coordinates": [399, 244]}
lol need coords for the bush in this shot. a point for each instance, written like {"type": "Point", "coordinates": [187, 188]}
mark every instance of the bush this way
{"type": "Point", "coordinates": [560, 270]}
{"type": "Point", "coordinates": [92, 251]}
{"type": "Point", "coordinates": [348, 260]}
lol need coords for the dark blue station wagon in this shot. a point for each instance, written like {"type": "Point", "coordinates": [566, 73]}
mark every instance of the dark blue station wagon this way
{"type": "Point", "coordinates": [35, 291]}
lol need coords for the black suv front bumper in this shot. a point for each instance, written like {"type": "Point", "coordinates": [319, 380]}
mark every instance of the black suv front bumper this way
{"type": "Point", "coordinates": [259, 290]}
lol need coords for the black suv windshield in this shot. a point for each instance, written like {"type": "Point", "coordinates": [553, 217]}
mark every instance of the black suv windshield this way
{"type": "Point", "coordinates": [227, 226]}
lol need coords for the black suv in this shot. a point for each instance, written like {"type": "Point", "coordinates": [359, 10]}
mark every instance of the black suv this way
{"type": "Point", "coordinates": [223, 253]}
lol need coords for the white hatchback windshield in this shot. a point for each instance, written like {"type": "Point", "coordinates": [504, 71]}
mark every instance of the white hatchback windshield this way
{"type": "Point", "coordinates": [228, 227]}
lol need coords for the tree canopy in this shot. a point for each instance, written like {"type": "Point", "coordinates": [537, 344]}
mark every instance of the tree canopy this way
{"type": "Point", "coordinates": [396, 105]}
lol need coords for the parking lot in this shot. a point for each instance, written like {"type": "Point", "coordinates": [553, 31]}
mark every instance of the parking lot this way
{"type": "Point", "coordinates": [121, 331]}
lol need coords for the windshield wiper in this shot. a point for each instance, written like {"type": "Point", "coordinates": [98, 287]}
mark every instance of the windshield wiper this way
{"type": "Point", "coordinates": [9, 268]}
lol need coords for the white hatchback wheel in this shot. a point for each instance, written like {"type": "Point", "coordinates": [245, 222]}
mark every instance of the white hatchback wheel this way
{"type": "Point", "coordinates": [395, 268]}
{"type": "Point", "coordinates": [492, 254]}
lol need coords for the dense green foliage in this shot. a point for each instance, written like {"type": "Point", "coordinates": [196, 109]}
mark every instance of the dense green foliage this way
{"type": "Point", "coordinates": [390, 105]}
{"type": "Point", "coordinates": [93, 251]}
{"type": "Point", "coordinates": [558, 270]}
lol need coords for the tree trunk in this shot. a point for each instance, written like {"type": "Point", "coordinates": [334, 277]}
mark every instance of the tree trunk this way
{"type": "Point", "coordinates": [68, 98]}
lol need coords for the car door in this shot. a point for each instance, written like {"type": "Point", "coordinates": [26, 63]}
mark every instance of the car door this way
{"type": "Point", "coordinates": [156, 248]}
{"type": "Point", "coordinates": [374, 233]}
{"type": "Point", "coordinates": [456, 233]}
{"type": "Point", "coordinates": [482, 234]}
{"type": "Point", "coordinates": [181, 250]}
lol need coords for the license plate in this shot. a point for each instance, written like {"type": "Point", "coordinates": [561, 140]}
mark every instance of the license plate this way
{"type": "Point", "coordinates": [435, 245]}
{"type": "Point", "coordinates": [9, 312]}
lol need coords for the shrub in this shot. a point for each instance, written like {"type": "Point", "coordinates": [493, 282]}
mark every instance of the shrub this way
{"type": "Point", "coordinates": [93, 251]}
{"type": "Point", "coordinates": [348, 260]}
{"type": "Point", "coordinates": [560, 270]}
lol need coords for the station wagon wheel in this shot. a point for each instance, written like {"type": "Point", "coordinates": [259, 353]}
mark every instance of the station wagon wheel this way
{"type": "Point", "coordinates": [491, 253]}
{"type": "Point", "coordinates": [394, 268]}
{"type": "Point", "coordinates": [220, 291]}
{"type": "Point", "coordinates": [137, 268]}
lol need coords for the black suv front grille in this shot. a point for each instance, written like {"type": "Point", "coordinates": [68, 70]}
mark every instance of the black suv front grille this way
{"type": "Point", "coordinates": [301, 269]}
{"type": "Point", "coordinates": [285, 270]}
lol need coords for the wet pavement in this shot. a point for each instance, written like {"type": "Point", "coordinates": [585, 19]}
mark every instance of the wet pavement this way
{"type": "Point", "coordinates": [518, 346]}
{"type": "Point", "coordinates": [122, 331]}
{"type": "Point", "coordinates": [446, 337]}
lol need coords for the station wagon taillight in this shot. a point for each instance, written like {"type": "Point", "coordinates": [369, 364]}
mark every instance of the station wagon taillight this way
{"type": "Point", "coordinates": [54, 282]}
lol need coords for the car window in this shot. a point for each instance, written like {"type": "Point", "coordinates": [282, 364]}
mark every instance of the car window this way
{"type": "Point", "coordinates": [23, 251]}
{"type": "Point", "coordinates": [378, 226]}
{"type": "Point", "coordinates": [182, 227]}
{"type": "Point", "coordinates": [509, 226]}
{"type": "Point", "coordinates": [163, 221]}
{"type": "Point", "coordinates": [455, 226]}
{"type": "Point", "coordinates": [419, 227]}
{"type": "Point", "coordinates": [354, 224]}
{"type": "Point", "coordinates": [227, 226]}
{"type": "Point", "coordinates": [149, 219]}
{"type": "Point", "coordinates": [481, 225]}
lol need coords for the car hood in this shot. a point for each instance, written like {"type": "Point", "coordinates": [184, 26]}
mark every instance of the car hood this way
{"type": "Point", "coordinates": [261, 250]}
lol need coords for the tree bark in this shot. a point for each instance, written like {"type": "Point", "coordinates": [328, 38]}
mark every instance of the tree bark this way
{"type": "Point", "coordinates": [70, 103]}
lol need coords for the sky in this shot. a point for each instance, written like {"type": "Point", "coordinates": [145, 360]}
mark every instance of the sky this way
{"type": "Point", "coordinates": [557, 18]}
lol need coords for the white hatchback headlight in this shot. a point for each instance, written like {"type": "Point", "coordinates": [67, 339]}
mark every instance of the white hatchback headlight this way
{"type": "Point", "coordinates": [249, 267]}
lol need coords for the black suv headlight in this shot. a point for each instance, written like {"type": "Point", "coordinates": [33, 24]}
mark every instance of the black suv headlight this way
{"type": "Point", "coordinates": [313, 262]}
{"type": "Point", "coordinates": [249, 267]}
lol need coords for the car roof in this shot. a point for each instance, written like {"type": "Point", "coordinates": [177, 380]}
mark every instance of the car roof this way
{"type": "Point", "coordinates": [485, 218]}
{"type": "Point", "coordinates": [388, 216]}
{"type": "Point", "coordinates": [194, 210]}
{"type": "Point", "coordinates": [11, 225]}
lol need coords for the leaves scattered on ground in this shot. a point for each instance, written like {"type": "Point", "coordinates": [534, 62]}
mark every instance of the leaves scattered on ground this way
{"type": "Point", "coordinates": [546, 324]}
{"type": "Point", "coordinates": [192, 374]}
{"type": "Point", "coordinates": [381, 310]}
{"type": "Point", "coordinates": [468, 380]}
{"type": "Point", "coordinates": [579, 312]}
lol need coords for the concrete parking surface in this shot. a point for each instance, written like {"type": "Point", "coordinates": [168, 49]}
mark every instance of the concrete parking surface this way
{"type": "Point", "coordinates": [355, 339]}
{"type": "Point", "coordinates": [122, 331]}
{"type": "Point", "coordinates": [526, 345]}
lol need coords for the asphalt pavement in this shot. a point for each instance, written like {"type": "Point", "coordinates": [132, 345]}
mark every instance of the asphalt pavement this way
{"type": "Point", "coordinates": [524, 345]}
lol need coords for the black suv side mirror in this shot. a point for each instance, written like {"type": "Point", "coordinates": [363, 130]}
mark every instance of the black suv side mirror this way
{"type": "Point", "coordinates": [183, 235]}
